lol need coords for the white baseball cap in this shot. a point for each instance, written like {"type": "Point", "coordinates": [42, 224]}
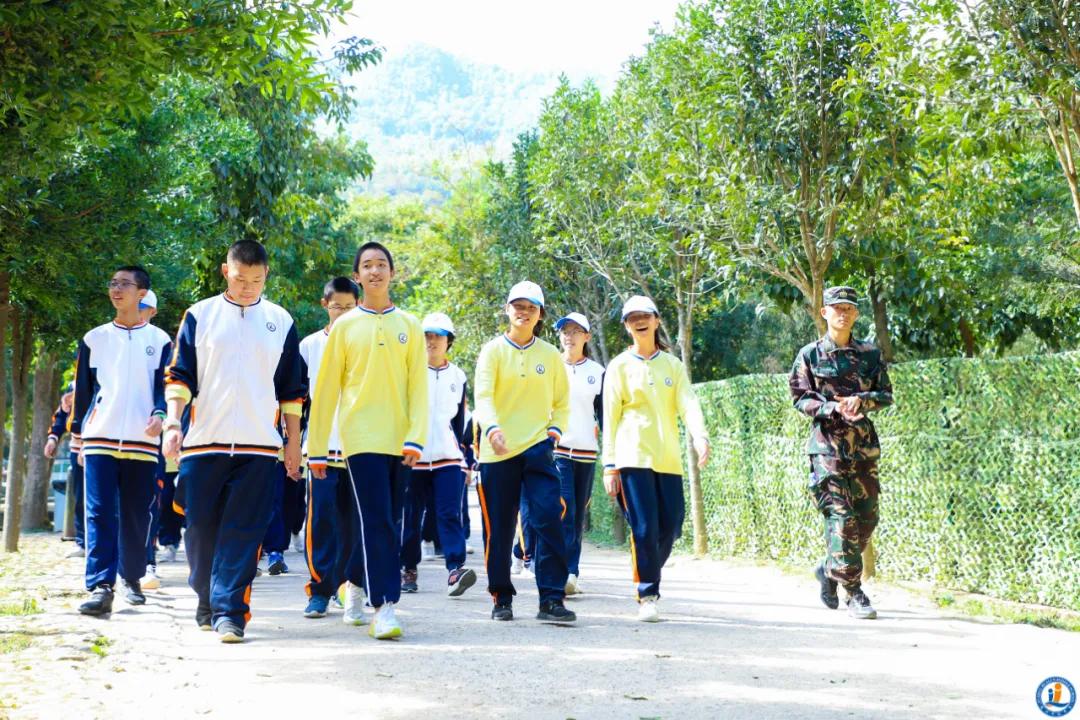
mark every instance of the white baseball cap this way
{"type": "Point", "coordinates": [639, 303]}
{"type": "Point", "coordinates": [526, 290]}
{"type": "Point", "coordinates": [574, 317]}
{"type": "Point", "coordinates": [438, 323]}
{"type": "Point", "coordinates": [150, 300]}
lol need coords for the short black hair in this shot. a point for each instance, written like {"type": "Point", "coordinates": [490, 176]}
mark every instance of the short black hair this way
{"type": "Point", "coordinates": [340, 285]}
{"type": "Point", "coordinates": [372, 245]}
{"type": "Point", "coordinates": [142, 278]}
{"type": "Point", "coordinates": [248, 252]}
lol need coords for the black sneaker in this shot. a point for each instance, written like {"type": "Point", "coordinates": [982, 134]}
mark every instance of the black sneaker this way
{"type": "Point", "coordinates": [204, 617]}
{"type": "Point", "coordinates": [133, 593]}
{"type": "Point", "coordinates": [859, 607]}
{"type": "Point", "coordinates": [459, 581]}
{"type": "Point", "coordinates": [502, 611]}
{"type": "Point", "coordinates": [555, 611]}
{"type": "Point", "coordinates": [408, 581]}
{"type": "Point", "coordinates": [100, 602]}
{"type": "Point", "coordinates": [828, 588]}
{"type": "Point", "coordinates": [230, 632]}
{"type": "Point", "coordinates": [275, 564]}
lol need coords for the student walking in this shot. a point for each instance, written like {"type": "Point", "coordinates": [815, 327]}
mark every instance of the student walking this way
{"type": "Point", "coordinates": [373, 378]}
{"type": "Point", "coordinates": [646, 391]}
{"type": "Point", "coordinates": [118, 409]}
{"type": "Point", "coordinates": [438, 474]}
{"type": "Point", "coordinates": [237, 360]}
{"type": "Point", "coordinates": [330, 531]}
{"type": "Point", "coordinates": [61, 421]}
{"type": "Point", "coordinates": [575, 455]}
{"type": "Point", "coordinates": [522, 406]}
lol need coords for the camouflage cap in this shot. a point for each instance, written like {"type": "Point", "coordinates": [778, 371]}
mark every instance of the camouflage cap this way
{"type": "Point", "coordinates": [839, 294]}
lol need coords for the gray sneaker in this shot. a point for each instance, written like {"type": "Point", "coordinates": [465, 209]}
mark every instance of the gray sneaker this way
{"type": "Point", "coordinates": [859, 607]}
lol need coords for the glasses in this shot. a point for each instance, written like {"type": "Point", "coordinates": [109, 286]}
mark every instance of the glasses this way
{"type": "Point", "coordinates": [572, 331]}
{"type": "Point", "coordinates": [120, 284]}
{"type": "Point", "coordinates": [339, 308]}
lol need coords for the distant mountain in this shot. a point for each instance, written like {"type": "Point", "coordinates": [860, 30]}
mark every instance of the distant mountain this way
{"type": "Point", "coordinates": [425, 108]}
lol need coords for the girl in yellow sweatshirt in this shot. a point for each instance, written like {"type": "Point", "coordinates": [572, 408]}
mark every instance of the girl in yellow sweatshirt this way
{"type": "Point", "coordinates": [522, 407]}
{"type": "Point", "coordinates": [646, 390]}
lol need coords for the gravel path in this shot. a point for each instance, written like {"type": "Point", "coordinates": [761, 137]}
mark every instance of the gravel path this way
{"type": "Point", "coordinates": [737, 641]}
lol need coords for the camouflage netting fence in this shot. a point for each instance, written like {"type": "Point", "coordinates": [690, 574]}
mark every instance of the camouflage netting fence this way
{"type": "Point", "coordinates": [980, 476]}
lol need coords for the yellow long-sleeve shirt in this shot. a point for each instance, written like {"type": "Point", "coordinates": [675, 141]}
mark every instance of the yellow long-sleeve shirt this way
{"type": "Point", "coordinates": [643, 399]}
{"type": "Point", "coordinates": [523, 391]}
{"type": "Point", "coordinates": [374, 371]}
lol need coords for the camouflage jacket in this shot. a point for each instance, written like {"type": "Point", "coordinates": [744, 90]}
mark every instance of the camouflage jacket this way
{"type": "Point", "coordinates": [823, 372]}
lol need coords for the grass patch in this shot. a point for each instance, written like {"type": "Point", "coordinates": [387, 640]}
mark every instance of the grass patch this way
{"type": "Point", "coordinates": [14, 642]}
{"type": "Point", "coordinates": [29, 606]}
{"type": "Point", "coordinates": [100, 646]}
{"type": "Point", "coordinates": [1008, 612]}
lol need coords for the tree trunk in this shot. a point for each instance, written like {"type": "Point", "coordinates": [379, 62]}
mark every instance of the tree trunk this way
{"type": "Point", "coordinates": [697, 497]}
{"type": "Point", "coordinates": [5, 309]}
{"type": "Point", "coordinates": [881, 320]}
{"type": "Point", "coordinates": [968, 337]}
{"type": "Point", "coordinates": [35, 511]}
{"type": "Point", "coordinates": [22, 345]}
{"type": "Point", "coordinates": [815, 303]}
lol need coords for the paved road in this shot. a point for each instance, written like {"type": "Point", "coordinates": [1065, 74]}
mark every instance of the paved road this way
{"type": "Point", "coordinates": [738, 641]}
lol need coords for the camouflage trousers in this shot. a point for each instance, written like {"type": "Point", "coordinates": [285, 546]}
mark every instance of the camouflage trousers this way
{"type": "Point", "coordinates": [846, 494]}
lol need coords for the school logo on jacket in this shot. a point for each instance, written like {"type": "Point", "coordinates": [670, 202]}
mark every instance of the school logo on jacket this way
{"type": "Point", "coordinates": [540, 369]}
{"type": "Point", "coordinates": [668, 381]}
{"type": "Point", "coordinates": [150, 350]}
{"type": "Point", "coordinates": [453, 387]}
{"type": "Point", "coordinates": [403, 338]}
{"type": "Point", "coordinates": [592, 380]}
{"type": "Point", "coordinates": [271, 326]}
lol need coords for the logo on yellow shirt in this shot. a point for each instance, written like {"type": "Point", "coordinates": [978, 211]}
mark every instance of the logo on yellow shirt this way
{"type": "Point", "coordinates": [668, 381]}
{"type": "Point", "coordinates": [540, 369]}
{"type": "Point", "coordinates": [403, 338]}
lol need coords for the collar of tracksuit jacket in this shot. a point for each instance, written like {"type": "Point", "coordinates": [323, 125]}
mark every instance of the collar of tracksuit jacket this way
{"type": "Point", "coordinates": [118, 387]}
{"type": "Point", "coordinates": [238, 366]}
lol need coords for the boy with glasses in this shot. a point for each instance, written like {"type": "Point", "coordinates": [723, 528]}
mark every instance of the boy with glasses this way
{"type": "Point", "coordinates": [119, 407]}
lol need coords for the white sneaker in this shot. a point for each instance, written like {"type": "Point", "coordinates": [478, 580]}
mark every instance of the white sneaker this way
{"type": "Point", "coordinates": [516, 566]}
{"type": "Point", "coordinates": [571, 584]}
{"type": "Point", "coordinates": [647, 610]}
{"type": "Point", "coordinates": [150, 580]}
{"type": "Point", "coordinates": [527, 572]}
{"type": "Point", "coordinates": [297, 543]}
{"type": "Point", "coordinates": [78, 552]}
{"type": "Point", "coordinates": [385, 626]}
{"type": "Point", "coordinates": [469, 549]}
{"type": "Point", "coordinates": [170, 554]}
{"type": "Point", "coordinates": [355, 597]}
{"type": "Point", "coordinates": [427, 550]}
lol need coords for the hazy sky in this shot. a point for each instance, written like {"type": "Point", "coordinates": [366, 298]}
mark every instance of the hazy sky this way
{"type": "Point", "coordinates": [580, 37]}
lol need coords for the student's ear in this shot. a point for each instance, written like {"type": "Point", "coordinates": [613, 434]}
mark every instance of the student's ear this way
{"type": "Point", "coordinates": [823, 310]}
{"type": "Point", "coordinates": [225, 270]}
{"type": "Point", "coordinates": [324, 303]}
{"type": "Point", "coordinates": [356, 278]}
{"type": "Point", "coordinates": [267, 276]}
{"type": "Point", "coordinates": [141, 293]}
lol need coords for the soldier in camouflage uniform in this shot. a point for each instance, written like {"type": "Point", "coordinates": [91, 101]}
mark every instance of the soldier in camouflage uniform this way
{"type": "Point", "coordinates": [836, 381]}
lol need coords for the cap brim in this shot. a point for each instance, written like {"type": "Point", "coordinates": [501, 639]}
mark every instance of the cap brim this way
{"type": "Point", "coordinates": [534, 301]}
{"type": "Point", "coordinates": [563, 322]}
{"type": "Point", "coordinates": [438, 331]}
